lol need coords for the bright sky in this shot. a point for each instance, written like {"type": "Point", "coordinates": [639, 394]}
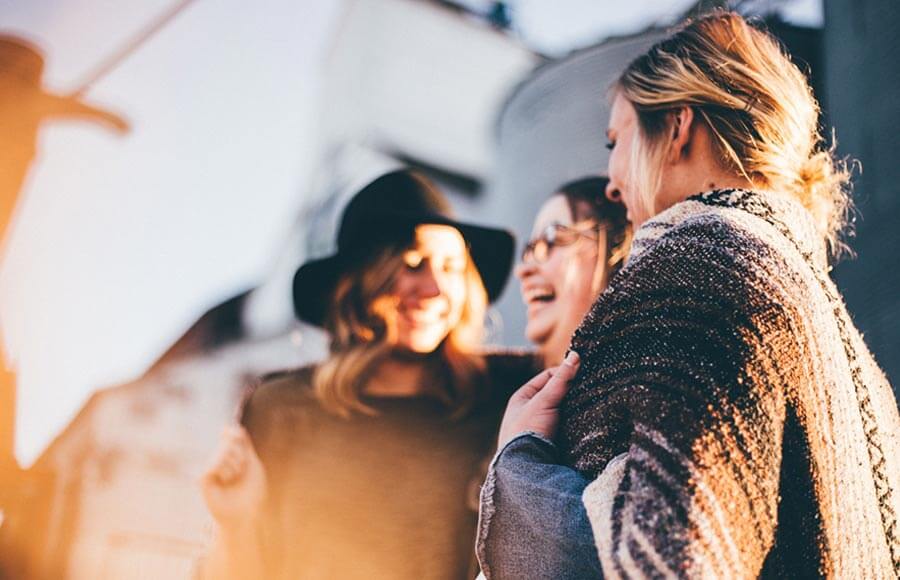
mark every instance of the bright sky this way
{"type": "Point", "coordinates": [122, 242]}
{"type": "Point", "coordinates": [555, 27]}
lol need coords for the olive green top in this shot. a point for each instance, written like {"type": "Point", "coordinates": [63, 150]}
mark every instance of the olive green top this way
{"type": "Point", "coordinates": [389, 496]}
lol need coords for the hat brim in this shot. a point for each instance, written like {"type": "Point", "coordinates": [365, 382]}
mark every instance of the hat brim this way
{"type": "Point", "coordinates": [314, 284]}
{"type": "Point", "coordinates": [64, 106]}
{"type": "Point", "coordinates": [491, 250]}
{"type": "Point", "coordinates": [41, 104]}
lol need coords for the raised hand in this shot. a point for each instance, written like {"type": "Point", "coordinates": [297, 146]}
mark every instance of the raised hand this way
{"type": "Point", "coordinates": [234, 485]}
{"type": "Point", "coordinates": [535, 406]}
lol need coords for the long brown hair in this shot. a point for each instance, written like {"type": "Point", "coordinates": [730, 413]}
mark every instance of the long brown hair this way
{"type": "Point", "coordinates": [587, 200]}
{"type": "Point", "coordinates": [757, 104]}
{"type": "Point", "coordinates": [363, 330]}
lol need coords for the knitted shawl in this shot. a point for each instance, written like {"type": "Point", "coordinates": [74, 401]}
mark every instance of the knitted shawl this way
{"type": "Point", "coordinates": [731, 418]}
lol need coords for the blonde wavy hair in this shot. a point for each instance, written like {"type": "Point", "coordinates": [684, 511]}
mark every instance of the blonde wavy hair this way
{"type": "Point", "coordinates": [363, 328]}
{"type": "Point", "coordinates": [758, 106]}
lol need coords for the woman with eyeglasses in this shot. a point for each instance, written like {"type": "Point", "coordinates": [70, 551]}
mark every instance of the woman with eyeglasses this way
{"type": "Point", "coordinates": [580, 240]}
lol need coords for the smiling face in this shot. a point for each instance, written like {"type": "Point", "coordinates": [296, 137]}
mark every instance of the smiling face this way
{"type": "Point", "coordinates": [430, 290]}
{"type": "Point", "coordinates": [559, 291]}
{"type": "Point", "coordinates": [622, 136]}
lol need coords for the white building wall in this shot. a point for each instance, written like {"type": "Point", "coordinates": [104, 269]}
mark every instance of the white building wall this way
{"type": "Point", "coordinates": [422, 80]}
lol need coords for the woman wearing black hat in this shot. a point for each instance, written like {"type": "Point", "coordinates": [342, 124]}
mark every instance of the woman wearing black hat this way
{"type": "Point", "coordinates": [366, 466]}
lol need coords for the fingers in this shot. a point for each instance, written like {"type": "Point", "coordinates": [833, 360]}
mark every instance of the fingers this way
{"type": "Point", "coordinates": [558, 384]}
{"type": "Point", "coordinates": [231, 460]}
{"type": "Point", "coordinates": [535, 406]}
{"type": "Point", "coordinates": [527, 391]}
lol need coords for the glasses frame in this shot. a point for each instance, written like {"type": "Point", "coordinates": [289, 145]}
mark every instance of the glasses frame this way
{"type": "Point", "coordinates": [539, 249]}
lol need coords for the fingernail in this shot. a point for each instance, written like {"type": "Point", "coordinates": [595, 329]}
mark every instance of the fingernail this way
{"type": "Point", "coordinates": [572, 357]}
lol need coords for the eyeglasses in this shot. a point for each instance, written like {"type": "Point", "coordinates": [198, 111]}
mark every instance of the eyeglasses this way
{"type": "Point", "coordinates": [539, 248]}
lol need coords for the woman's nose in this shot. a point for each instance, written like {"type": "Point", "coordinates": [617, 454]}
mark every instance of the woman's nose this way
{"type": "Point", "coordinates": [525, 268]}
{"type": "Point", "coordinates": [612, 193]}
{"type": "Point", "coordinates": [427, 284]}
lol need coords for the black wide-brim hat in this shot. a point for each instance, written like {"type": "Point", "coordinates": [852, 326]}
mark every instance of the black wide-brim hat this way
{"type": "Point", "coordinates": [384, 213]}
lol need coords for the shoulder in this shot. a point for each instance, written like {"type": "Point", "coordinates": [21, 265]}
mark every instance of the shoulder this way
{"type": "Point", "coordinates": [693, 230]}
{"type": "Point", "coordinates": [703, 250]}
{"type": "Point", "coordinates": [698, 267]}
{"type": "Point", "coordinates": [505, 364]}
{"type": "Point", "coordinates": [508, 369]}
{"type": "Point", "coordinates": [756, 231]}
{"type": "Point", "coordinates": [279, 392]}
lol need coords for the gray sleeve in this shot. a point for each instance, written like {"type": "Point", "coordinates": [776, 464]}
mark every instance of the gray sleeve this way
{"type": "Point", "coordinates": [532, 523]}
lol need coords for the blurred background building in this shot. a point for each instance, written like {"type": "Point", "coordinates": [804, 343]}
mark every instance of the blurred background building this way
{"type": "Point", "coordinates": [861, 88]}
{"type": "Point", "coordinates": [483, 97]}
{"type": "Point", "coordinates": [121, 478]}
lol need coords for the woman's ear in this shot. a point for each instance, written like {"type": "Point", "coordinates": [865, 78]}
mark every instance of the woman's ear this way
{"type": "Point", "coordinates": [681, 132]}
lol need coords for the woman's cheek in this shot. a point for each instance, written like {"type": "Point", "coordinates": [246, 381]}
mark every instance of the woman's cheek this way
{"type": "Point", "coordinates": [581, 294]}
{"type": "Point", "coordinates": [458, 298]}
{"type": "Point", "coordinates": [573, 281]}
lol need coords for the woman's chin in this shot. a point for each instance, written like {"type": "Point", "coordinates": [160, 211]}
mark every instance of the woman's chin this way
{"type": "Point", "coordinates": [538, 336]}
{"type": "Point", "coordinates": [553, 346]}
{"type": "Point", "coordinates": [551, 356]}
{"type": "Point", "coordinates": [419, 347]}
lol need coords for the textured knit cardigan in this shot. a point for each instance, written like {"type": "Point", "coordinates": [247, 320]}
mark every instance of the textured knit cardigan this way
{"type": "Point", "coordinates": [731, 418]}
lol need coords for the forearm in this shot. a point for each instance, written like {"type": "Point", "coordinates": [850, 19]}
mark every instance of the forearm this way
{"type": "Point", "coordinates": [532, 521]}
{"type": "Point", "coordinates": [698, 510]}
{"type": "Point", "coordinates": [236, 554]}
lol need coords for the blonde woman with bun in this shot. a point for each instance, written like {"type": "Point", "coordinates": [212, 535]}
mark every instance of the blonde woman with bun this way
{"type": "Point", "coordinates": [727, 419]}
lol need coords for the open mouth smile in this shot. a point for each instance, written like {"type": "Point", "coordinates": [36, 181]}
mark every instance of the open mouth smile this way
{"type": "Point", "coordinates": [539, 294]}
